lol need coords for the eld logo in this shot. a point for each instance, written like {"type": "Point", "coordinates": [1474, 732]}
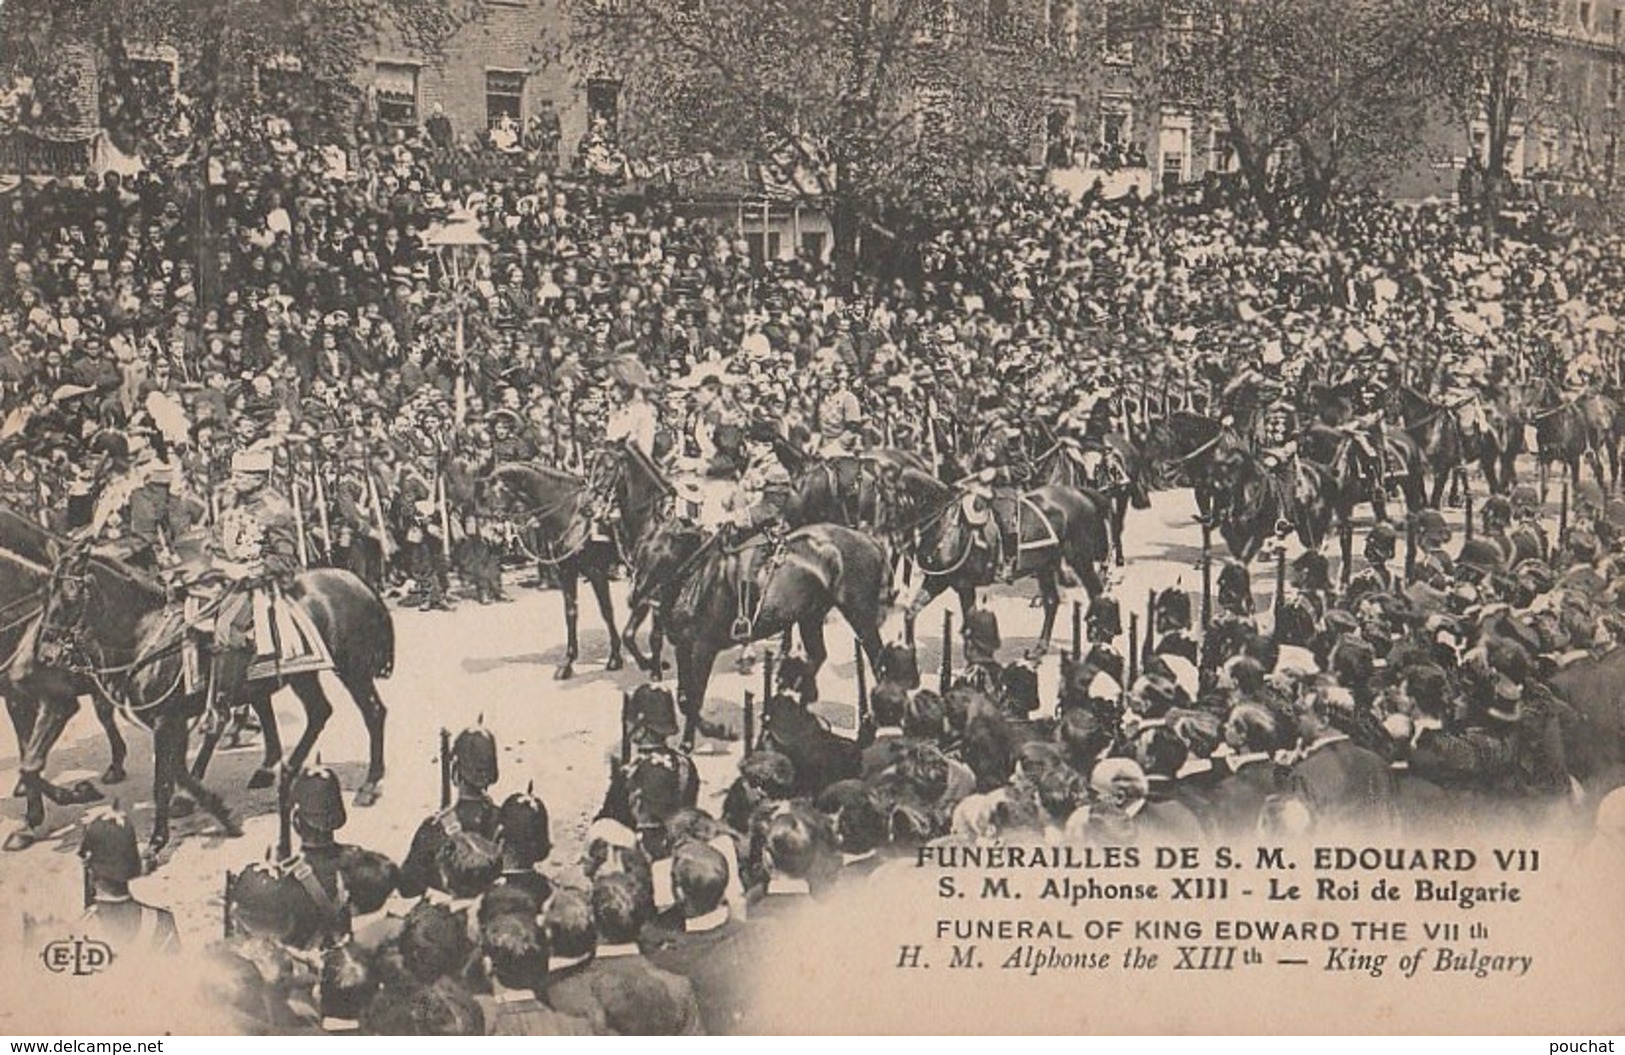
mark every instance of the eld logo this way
{"type": "Point", "coordinates": [77, 956]}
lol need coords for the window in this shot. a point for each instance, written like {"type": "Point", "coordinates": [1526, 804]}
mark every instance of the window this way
{"type": "Point", "coordinates": [504, 92]}
{"type": "Point", "coordinates": [1000, 24]}
{"type": "Point", "coordinates": [604, 103]}
{"type": "Point", "coordinates": [1060, 32]}
{"type": "Point", "coordinates": [1174, 143]}
{"type": "Point", "coordinates": [1618, 18]}
{"type": "Point", "coordinates": [936, 21]}
{"type": "Point", "coordinates": [1118, 43]}
{"type": "Point", "coordinates": [773, 242]}
{"type": "Point", "coordinates": [1116, 121]}
{"type": "Point", "coordinates": [1058, 145]}
{"type": "Point", "coordinates": [397, 87]}
{"type": "Point", "coordinates": [1585, 14]}
{"type": "Point", "coordinates": [812, 245]}
{"type": "Point", "coordinates": [1614, 81]}
{"type": "Point", "coordinates": [1221, 151]}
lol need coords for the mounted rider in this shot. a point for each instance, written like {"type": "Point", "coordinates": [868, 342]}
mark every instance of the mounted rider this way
{"type": "Point", "coordinates": [977, 509]}
{"type": "Point", "coordinates": [1278, 448]}
{"type": "Point", "coordinates": [255, 555]}
{"type": "Point", "coordinates": [1081, 433]}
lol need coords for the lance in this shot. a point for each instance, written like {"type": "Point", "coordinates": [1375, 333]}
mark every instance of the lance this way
{"type": "Point", "coordinates": [225, 906]}
{"type": "Point", "coordinates": [1133, 651]}
{"type": "Point", "coordinates": [750, 722]}
{"type": "Point", "coordinates": [445, 768]}
{"type": "Point", "coordinates": [445, 515]}
{"type": "Point", "coordinates": [377, 504]}
{"type": "Point", "coordinates": [1077, 630]}
{"type": "Point", "coordinates": [1207, 575]}
{"type": "Point", "coordinates": [298, 511]}
{"type": "Point", "coordinates": [1467, 496]}
{"type": "Point", "coordinates": [1280, 580]}
{"type": "Point", "coordinates": [626, 728]}
{"type": "Point", "coordinates": [89, 883]}
{"type": "Point", "coordinates": [863, 681]}
{"type": "Point", "coordinates": [1563, 510]}
{"type": "Point", "coordinates": [946, 671]}
{"type": "Point", "coordinates": [1410, 548]}
{"type": "Point", "coordinates": [767, 677]}
{"type": "Point", "coordinates": [321, 512]}
{"type": "Point", "coordinates": [1149, 648]}
{"type": "Point", "coordinates": [284, 815]}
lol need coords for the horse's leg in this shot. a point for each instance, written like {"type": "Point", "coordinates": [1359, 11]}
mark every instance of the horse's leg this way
{"type": "Point", "coordinates": [929, 588]}
{"type": "Point", "coordinates": [259, 701]}
{"type": "Point", "coordinates": [812, 640]}
{"type": "Point", "coordinates": [53, 717]}
{"type": "Point", "coordinates": [1119, 518]}
{"type": "Point", "coordinates": [117, 748]}
{"type": "Point", "coordinates": [693, 672]}
{"type": "Point", "coordinates": [1049, 592]}
{"type": "Point", "coordinates": [317, 711]}
{"type": "Point", "coordinates": [193, 786]}
{"type": "Point", "coordinates": [164, 765]}
{"type": "Point", "coordinates": [572, 648]}
{"type": "Point", "coordinates": [363, 689]}
{"type": "Point", "coordinates": [1540, 462]}
{"type": "Point", "coordinates": [629, 639]}
{"type": "Point", "coordinates": [599, 579]}
{"type": "Point", "coordinates": [22, 710]}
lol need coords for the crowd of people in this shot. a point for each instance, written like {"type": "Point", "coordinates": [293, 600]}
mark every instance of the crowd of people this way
{"type": "Point", "coordinates": [312, 328]}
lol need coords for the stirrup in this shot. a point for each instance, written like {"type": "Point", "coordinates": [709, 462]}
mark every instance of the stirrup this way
{"type": "Point", "coordinates": [742, 629]}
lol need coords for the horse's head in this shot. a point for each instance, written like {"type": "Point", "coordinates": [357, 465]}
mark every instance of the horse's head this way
{"type": "Point", "coordinates": [69, 593]}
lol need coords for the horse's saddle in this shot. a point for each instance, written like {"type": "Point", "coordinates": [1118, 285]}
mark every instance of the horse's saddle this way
{"type": "Point", "coordinates": [1010, 523]}
{"type": "Point", "coordinates": [214, 616]}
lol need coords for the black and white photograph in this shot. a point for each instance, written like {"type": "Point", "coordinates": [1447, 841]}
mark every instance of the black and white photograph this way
{"type": "Point", "coordinates": [704, 517]}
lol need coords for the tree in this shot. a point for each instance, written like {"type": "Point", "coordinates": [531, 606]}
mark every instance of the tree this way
{"type": "Point", "coordinates": [863, 107]}
{"type": "Point", "coordinates": [1317, 95]}
{"type": "Point", "coordinates": [222, 46]}
{"type": "Point", "coordinates": [222, 49]}
{"type": "Point", "coordinates": [1487, 50]}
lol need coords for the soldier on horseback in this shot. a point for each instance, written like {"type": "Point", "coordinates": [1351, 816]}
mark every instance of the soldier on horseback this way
{"type": "Point", "coordinates": [257, 554]}
{"type": "Point", "coordinates": [1278, 448]}
{"type": "Point", "coordinates": [976, 508]}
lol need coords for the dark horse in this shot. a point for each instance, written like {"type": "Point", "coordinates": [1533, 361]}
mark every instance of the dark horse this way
{"type": "Point", "coordinates": [1043, 529]}
{"type": "Point", "coordinates": [701, 584]}
{"type": "Point", "coordinates": [40, 704]}
{"type": "Point", "coordinates": [555, 515]}
{"type": "Point", "coordinates": [118, 626]}
{"type": "Point", "coordinates": [1447, 448]}
{"type": "Point", "coordinates": [1236, 490]}
{"type": "Point", "coordinates": [1064, 464]}
{"type": "Point", "coordinates": [1567, 430]}
{"type": "Point", "coordinates": [846, 489]}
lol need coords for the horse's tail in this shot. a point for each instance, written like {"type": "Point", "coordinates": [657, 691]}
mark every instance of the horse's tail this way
{"type": "Point", "coordinates": [385, 655]}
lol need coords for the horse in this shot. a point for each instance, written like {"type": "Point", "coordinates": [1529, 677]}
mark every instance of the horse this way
{"type": "Point", "coordinates": [1048, 528]}
{"type": "Point", "coordinates": [1064, 464]}
{"type": "Point", "coordinates": [553, 507]}
{"type": "Point", "coordinates": [119, 627]}
{"type": "Point", "coordinates": [40, 705]}
{"type": "Point", "coordinates": [1358, 465]}
{"type": "Point", "coordinates": [1248, 506]}
{"type": "Point", "coordinates": [702, 583]}
{"type": "Point", "coordinates": [1437, 433]}
{"type": "Point", "coordinates": [1595, 750]}
{"type": "Point", "coordinates": [1183, 446]}
{"type": "Point", "coordinates": [1570, 429]}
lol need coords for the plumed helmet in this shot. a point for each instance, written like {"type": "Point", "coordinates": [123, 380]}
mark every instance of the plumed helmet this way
{"type": "Point", "coordinates": [268, 902]}
{"type": "Point", "coordinates": [1481, 555]}
{"type": "Point", "coordinates": [523, 828]}
{"type": "Point", "coordinates": [109, 848]}
{"type": "Point", "coordinates": [318, 799]}
{"type": "Point", "coordinates": [474, 753]}
{"type": "Point", "coordinates": [982, 639]}
{"type": "Point", "coordinates": [654, 710]}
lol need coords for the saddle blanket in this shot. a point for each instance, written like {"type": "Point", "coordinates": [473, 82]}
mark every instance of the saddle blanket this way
{"type": "Point", "coordinates": [302, 649]}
